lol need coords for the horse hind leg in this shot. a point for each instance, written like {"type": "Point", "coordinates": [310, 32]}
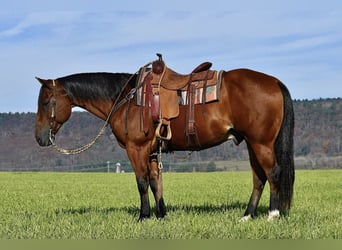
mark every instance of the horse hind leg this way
{"type": "Point", "coordinates": [277, 163]}
{"type": "Point", "coordinates": [259, 180]}
{"type": "Point", "coordinates": [265, 157]}
{"type": "Point", "coordinates": [273, 180]}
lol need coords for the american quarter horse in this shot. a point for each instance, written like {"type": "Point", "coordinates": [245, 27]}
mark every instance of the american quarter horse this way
{"type": "Point", "coordinates": [252, 106]}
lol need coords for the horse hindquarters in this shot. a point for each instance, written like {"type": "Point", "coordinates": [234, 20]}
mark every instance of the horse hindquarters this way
{"type": "Point", "coordinates": [274, 162]}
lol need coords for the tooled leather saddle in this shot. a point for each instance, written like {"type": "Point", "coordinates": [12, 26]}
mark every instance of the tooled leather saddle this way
{"type": "Point", "coordinates": [161, 91]}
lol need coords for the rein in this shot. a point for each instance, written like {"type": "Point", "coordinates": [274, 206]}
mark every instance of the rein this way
{"type": "Point", "coordinates": [114, 108]}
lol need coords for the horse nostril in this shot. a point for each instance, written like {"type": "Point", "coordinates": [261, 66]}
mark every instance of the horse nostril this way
{"type": "Point", "coordinates": [38, 139]}
{"type": "Point", "coordinates": [41, 142]}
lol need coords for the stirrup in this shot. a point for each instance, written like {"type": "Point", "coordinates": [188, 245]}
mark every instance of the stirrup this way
{"type": "Point", "coordinates": [169, 134]}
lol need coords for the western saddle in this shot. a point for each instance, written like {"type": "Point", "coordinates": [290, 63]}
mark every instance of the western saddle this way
{"type": "Point", "coordinates": [164, 90]}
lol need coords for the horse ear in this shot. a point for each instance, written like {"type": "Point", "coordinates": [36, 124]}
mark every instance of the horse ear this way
{"type": "Point", "coordinates": [42, 81]}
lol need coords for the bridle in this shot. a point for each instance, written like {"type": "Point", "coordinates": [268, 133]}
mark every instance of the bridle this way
{"type": "Point", "coordinates": [116, 105]}
{"type": "Point", "coordinates": [52, 104]}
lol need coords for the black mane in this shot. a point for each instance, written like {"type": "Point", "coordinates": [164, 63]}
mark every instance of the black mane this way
{"type": "Point", "coordinates": [94, 86]}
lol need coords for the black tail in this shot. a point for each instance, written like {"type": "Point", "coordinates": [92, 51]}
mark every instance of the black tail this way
{"type": "Point", "coordinates": [284, 153]}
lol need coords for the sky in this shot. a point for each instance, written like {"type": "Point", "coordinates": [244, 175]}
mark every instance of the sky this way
{"type": "Point", "coordinates": [299, 42]}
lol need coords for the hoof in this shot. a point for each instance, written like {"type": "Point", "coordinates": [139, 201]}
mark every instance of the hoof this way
{"type": "Point", "coordinates": [160, 216]}
{"type": "Point", "coordinates": [246, 218]}
{"type": "Point", "coordinates": [142, 218]}
{"type": "Point", "coordinates": [274, 214]}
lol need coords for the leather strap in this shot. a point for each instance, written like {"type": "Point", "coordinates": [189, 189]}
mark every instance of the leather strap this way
{"type": "Point", "coordinates": [148, 97]}
{"type": "Point", "coordinates": [191, 110]}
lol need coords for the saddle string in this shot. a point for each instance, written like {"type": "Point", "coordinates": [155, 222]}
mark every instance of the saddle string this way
{"type": "Point", "coordinates": [114, 108]}
{"type": "Point", "coordinates": [159, 84]}
{"type": "Point", "coordinates": [158, 129]}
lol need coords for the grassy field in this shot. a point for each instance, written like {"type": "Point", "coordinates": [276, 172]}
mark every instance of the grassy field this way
{"type": "Point", "coordinates": [200, 206]}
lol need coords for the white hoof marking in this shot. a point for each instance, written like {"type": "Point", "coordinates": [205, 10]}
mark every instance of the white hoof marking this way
{"type": "Point", "coordinates": [274, 214]}
{"type": "Point", "coordinates": [245, 218]}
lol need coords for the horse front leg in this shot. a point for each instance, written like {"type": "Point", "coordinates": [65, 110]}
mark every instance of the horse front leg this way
{"type": "Point", "coordinates": [156, 184]}
{"type": "Point", "coordinates": [145, 210]}
{"type": "Point", "coordinates": [139, 160]}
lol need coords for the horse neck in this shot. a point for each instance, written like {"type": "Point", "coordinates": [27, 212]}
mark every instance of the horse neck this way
{"type": "Point", "coordinates": [97, 92]}
{"type": "Point", "coordinates": [98, 108]}
{"type": "Point", "coordinates": [101, 108]}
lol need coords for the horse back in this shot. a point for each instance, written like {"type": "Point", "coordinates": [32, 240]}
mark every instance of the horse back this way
{"type": "Point", "coordinates": [249, 102]}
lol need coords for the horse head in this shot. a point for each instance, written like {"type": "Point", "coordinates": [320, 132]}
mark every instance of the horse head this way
{"type": "Point", "coordinates": [54, 108]}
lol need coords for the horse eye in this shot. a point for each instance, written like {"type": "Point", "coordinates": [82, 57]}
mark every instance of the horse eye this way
{"type": "Point", "coordinates": [45, 102]}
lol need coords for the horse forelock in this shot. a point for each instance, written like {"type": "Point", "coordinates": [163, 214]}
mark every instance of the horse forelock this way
{"type": "Point", "coordinates": [93, 86]}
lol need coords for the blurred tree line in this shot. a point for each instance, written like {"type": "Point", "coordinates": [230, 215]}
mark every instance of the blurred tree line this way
{"type": "Point", "coordinates": [318, 133]}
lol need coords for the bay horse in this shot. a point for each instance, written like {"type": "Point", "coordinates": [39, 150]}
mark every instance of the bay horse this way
{"type": "Point", "coordinates": [252, 106]}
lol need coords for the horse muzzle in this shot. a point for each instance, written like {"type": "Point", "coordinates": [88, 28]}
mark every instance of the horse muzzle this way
{"type": "Point", "coordinates": [45, 137]}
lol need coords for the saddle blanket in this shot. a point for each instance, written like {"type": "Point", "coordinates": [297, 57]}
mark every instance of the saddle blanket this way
{"type": "Point", "coordinates": [211, 94]}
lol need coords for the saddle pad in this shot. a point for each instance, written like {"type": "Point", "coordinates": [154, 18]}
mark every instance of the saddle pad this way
{"type": "Point", "coordinates": [212, 92]}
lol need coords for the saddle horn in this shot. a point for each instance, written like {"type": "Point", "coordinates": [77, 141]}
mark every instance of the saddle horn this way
{"type": "Point", "coordinates": [159, 56]}
{"type": "Point", "coordinates": [158, 65]}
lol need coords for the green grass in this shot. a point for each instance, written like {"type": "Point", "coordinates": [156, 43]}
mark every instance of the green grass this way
{"type": "Point", "coordinates": [200, 205]}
